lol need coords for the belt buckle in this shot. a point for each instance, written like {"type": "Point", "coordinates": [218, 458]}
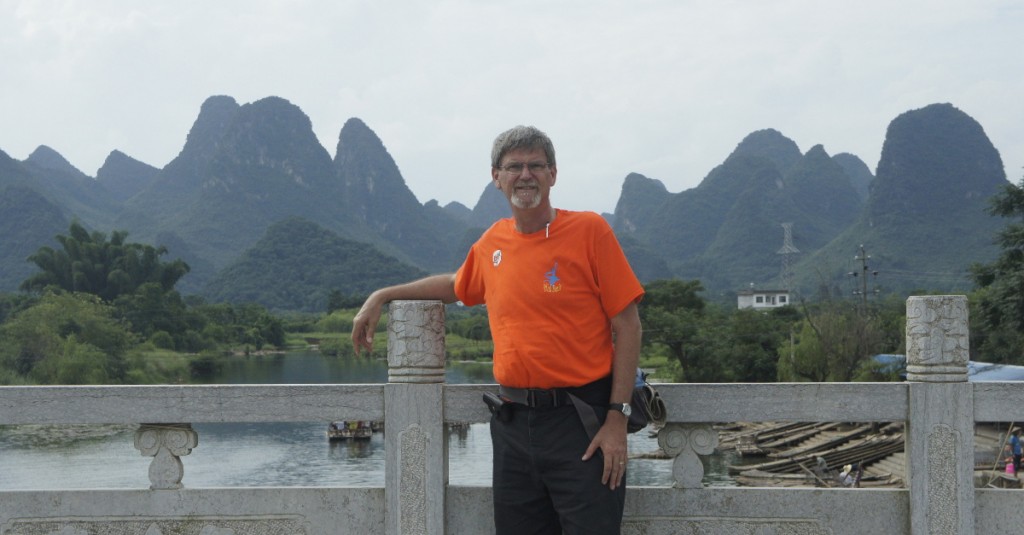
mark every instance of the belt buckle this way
{"type": "Point", "coordinates": [541, 398]}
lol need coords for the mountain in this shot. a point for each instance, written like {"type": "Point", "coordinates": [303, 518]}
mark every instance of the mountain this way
{"type": "Point", "coordinates": [68, 187]}
{"type": "Point", "coordinates": [490, 207]}
{"type": "Point", "coordinates": [379, 198]}
{"type": "Point", "coordinates": [296, 264]}
{"type": "Point", "coordinates": [638, 202]}
{"type": "Point", "coordinates": [727, 231]}
{"type": "Point", "coordinates": [244, 169]}
{"type": "Point", "coordinates": [685, 224]}
{"type": "Point", "coordinates": [927, 218]}
{"type": "Point", "coordinates": [859, 173]}
{"type": "Point", "coordinates": [814, 197]}
{"type": "Point", "coordinates": [28, 221]}
{"type": "Point", "coordinates": [124, 176]}
{"type": "Point", "coordinates": [455, 209]}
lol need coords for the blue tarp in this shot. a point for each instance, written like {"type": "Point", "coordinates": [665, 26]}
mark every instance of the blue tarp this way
{"type": "Point", "coordinates": [976, 371]}
{"type": "Point", "coordinates": [984, 371]}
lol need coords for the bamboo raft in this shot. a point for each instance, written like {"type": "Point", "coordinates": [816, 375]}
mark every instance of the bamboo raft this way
{"type": "Point", "coordinates": [812, 454]}
{"type": "Point", "coordinates": [800, 454]}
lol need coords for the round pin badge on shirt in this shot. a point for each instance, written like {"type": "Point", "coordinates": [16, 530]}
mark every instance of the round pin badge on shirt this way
{"type": "Point", "coordinates": [496, 257]}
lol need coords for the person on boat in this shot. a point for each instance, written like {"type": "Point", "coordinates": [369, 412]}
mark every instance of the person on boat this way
{"type": "Point", "coordinates": [1016, 449]}
{"type": "Point", "coordinates": [848, 477]}
{"type": "Point", "coordinates": [558, 290]}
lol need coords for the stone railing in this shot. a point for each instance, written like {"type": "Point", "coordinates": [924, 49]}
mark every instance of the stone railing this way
{"type": "Point", "coordinates": [937, 404]}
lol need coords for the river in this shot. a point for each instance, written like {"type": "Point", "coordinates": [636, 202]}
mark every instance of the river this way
{"type": "Point", "coordinates": [271, 454]}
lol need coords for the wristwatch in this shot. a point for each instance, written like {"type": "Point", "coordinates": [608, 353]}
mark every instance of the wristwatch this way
{"type": "Point", "coordinates": [624, 408]}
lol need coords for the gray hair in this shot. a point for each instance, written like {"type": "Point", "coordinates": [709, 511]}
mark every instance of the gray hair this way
{"type": "Point", "coordinates": [521, 137]}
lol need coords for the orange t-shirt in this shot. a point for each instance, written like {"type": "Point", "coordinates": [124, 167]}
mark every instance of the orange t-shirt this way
{"type": "Point", "coordinates": [550, 296]}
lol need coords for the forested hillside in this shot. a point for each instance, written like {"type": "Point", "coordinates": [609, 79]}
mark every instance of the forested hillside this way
{"type": "Point", "coordinates": [297, 264]}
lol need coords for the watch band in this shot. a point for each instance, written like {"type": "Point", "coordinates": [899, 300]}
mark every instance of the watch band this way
{"type": "Point", "coordinates": [624, 408]}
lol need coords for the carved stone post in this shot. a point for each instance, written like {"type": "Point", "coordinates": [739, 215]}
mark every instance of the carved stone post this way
{"type": "Point", "coordinates": [166, 444]}
{"type": "Point", "coordinates": [415, 444]}
{"type": "Point", "coordinates": [685, 443]}
{"type": "Point", "coordinates": [940, 431]}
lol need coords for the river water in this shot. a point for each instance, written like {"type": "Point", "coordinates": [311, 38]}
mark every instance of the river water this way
{"type": "Point", "coordinates": [272, 454]}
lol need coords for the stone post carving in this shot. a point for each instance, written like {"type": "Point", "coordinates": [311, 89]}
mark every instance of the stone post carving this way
{"type": "Point", "coordinates": [416, 446]}
{"type": "Point", "coordinates": [937, 339]}
{"type": "Point", "coordinates": [940, 432]}
{"type": "Point", "coordinates": [166, 444]}
{"type": "Point", "coordinates": [685, 443]}
{"type": "Point", "coordinates": [416, 342]}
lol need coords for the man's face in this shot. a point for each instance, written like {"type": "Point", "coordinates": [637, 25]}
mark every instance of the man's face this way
{"type": "Point", "coordinates": [524, 177]}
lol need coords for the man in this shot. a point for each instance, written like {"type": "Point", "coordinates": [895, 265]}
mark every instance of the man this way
{"type": "Point", "coordinates": [558, 291]}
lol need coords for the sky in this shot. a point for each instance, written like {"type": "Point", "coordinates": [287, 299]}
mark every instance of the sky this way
{"type": "Point", "coordinates": [664, 88]}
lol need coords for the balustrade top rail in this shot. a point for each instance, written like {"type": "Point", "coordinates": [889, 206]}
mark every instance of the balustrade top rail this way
{"type": "Point", "coordinates": [689, 403]}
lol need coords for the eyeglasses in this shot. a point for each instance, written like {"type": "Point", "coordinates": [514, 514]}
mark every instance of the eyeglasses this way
{"type": "Point", "coordinates": [516, 168]}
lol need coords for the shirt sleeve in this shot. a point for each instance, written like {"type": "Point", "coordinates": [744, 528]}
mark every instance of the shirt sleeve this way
{"type": "Point", "coordinates": [619, 285]}
{"type": "Point", "coordinates": [469, 286]}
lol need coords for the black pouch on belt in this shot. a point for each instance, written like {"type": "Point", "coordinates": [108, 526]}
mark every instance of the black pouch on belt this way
{"type": "Point", "coordinates": [498, 406]}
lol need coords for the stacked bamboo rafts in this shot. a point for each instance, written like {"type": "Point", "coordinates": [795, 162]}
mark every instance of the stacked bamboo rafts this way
{"type": "Point", "coordinates": [814, 454]}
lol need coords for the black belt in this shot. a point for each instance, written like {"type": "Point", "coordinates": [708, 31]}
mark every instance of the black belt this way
{"type": "Point", "coordinates": [581, 397]}
{"type": "Point", "coordinates": [594, 393]}
{"type": "Point", "coordinates": [536, 398]}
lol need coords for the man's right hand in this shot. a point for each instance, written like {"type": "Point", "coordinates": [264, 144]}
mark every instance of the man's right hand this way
{"type": "Point", "coordinates": [365, 324]}
{"type": "Point", "coordinates": [440, 287]}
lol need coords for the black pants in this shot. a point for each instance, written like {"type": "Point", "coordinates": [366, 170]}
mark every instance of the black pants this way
{"type": "Point", "coordinates": [541, 484]}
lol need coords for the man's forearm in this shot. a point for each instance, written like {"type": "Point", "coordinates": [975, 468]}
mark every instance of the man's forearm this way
{"type": "Point", "coordinates": [628, 336]}
{"type": "Point", "coordinates": [440, 287]}
{"type": "Point", "coordinates": [365, 322]}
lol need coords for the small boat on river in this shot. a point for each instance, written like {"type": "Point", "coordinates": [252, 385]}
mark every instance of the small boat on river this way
{"type": "Point", "coordinates": [353, 429]}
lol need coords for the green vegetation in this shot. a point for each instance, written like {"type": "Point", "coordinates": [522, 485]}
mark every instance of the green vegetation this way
{"type": "Point", "coordinates": [89, 263]}
{"type": "Point", "coordinates": [833, 340]}
{"type": "Point", "coordinates": [997, 307]}
{"type": "Point", "coordinates": [70, 338]}
{"type": "Point", "coordinates": [299, 265]}
{"type": "Point", "coordinates": [700, 341]}
{"type": "Point", "coordinates": [105, 311]}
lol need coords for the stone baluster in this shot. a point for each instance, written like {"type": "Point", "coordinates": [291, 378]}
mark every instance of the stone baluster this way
{"type": "Point", "coordinates": [685, 442]}
{"type": "Point", "coordinates": [416, 446]}
{"type": "Point", "coordinates": [166, 444]}
{"type": "Point", "coordinates": [940, 432]}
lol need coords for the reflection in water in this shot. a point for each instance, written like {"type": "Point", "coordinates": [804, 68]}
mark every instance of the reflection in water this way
{"type": "Point", "coordinates": [269, 454]}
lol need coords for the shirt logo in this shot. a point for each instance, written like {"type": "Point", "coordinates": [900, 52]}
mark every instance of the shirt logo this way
{"type": "Point", "coordinates": [496, 257]}
{"type": "Point", "coordinates": [551, 280]}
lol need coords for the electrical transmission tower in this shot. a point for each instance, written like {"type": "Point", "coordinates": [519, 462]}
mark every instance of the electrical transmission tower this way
{"type": "Point", "coordinates": [787, 251]}
{"type": "Point", "coordinates": [864, 271]}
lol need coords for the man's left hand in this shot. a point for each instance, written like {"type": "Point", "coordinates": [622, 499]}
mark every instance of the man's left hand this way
{"type": "Point", "coordinates": [611, 440]}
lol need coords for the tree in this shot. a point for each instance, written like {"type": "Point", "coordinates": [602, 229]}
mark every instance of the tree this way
{"type": "Point", "coordinates": [90, 263]}
{"type": "Point", "coordinates": [833, 343]}
{"type": "Point", "coordinates": [150, 309]}
{"type": "Point", "coordinates": [999, 311]}
{"type": "Point", "coordinates": [67, 338]}
{"type": "Point", "coordinates": [749, 351]}
{"type": "Point", "coordinates": [670, 313]}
